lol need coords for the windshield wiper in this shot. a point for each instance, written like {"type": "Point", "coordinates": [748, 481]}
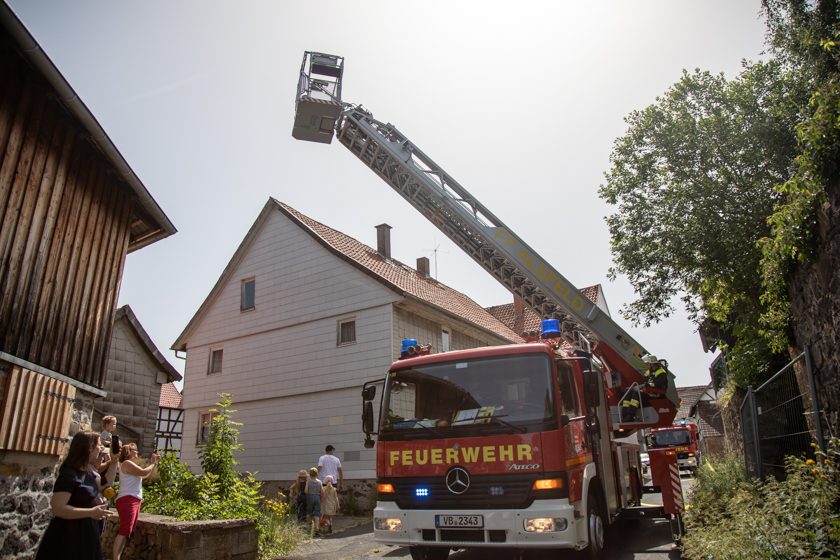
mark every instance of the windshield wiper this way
{"type": "Point", "coordinates": [472, 422]}
{"type": "Point", "coordinates": [521, 429]}
{"type": "Point", "coordinates": [416, 422]}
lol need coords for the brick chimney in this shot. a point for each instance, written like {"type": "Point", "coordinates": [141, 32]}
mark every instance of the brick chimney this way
{"type": "Point", "coordinates": [423, 266]}
{"type": "Point", "coordinates": [518, 315]}
{"type": "Point", "coordinates": [383, 240]}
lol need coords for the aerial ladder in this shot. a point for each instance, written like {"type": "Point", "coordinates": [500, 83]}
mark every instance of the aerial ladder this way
{"type": "Point", "coordinates": [321, 114]}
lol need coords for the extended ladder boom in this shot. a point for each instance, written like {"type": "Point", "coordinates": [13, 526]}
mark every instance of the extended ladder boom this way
{"type": "Point", "coordinates": [459, 215]}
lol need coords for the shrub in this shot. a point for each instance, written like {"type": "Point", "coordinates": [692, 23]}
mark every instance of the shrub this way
{"type": "Point", "coordinates": [222, 492]}
{"type": "Point", "coordinates": [798, 518]}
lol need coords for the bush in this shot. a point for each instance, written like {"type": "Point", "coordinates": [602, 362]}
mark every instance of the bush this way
{"type": "Point", "coordinates": [222, 492]}
{"type": "Point", "coordinates": [798, 518]}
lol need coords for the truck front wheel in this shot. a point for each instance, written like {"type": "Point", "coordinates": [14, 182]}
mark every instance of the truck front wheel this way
{"type": "Point", "coordinates": [595, 527]}
{"type": "Point", "coordinates": [429, 552]}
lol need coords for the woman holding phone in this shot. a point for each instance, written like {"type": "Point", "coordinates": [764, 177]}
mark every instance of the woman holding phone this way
{"type": "Point", "coordinates": [131, 493]}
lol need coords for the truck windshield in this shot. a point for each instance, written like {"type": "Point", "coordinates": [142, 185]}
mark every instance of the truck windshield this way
{"type": "Point", "coordinates": [671, 437]}
{"type": "Point", "coordinates": [498, 394]}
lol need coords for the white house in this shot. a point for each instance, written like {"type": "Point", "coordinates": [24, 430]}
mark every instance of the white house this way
{"type": "Point", "coordinates": [300, 318]}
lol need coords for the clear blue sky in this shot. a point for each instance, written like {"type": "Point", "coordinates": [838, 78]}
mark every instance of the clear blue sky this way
{"type": "Point", "coordinates": [519, 101]}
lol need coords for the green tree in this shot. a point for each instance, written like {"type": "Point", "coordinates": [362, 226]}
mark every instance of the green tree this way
{"type": "Point", "coordinates": [693, 181]}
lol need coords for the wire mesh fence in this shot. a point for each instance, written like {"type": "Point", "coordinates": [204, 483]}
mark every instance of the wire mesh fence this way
{"type": "Point", "coordinates": [781, 418]}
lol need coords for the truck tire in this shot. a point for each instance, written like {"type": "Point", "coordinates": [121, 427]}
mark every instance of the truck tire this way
{"type": "Point", "coordinates": [429, 552]}
{"type": "Point", "coordinates": [595, 525]}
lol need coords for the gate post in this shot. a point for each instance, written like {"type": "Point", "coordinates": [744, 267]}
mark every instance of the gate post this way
{"type": "Point", "coordinates": [755, 452]}
{"type": "Point", "coordinates": [815, 403]}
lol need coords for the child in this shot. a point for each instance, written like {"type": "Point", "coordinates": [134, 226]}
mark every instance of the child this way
{"type": "Point", "coordinates": [329, 504]}
{"type": "Point", "coordinates": [313, 500]}
{"type": "Point", "coordinates": [297, 496]}
{"type": "Point", "coordinates": [109, 426]}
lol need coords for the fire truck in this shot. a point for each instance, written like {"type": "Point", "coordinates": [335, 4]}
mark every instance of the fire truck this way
{"type": "Point", "coordinates": [520, 446]}
{"type": "Point", "coordinates": [682, 438]}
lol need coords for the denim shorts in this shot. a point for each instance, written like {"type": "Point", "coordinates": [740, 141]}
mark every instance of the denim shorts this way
{"type": "Point", "coordinates": [313, 505]}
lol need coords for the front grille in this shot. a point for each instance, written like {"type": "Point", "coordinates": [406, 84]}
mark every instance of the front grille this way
{"type": "Point", "coordinates": [462, 535]}
{"type": "Point", "coordinates": [509, 491]}
{"type": "Point", "coordinates": [465, 535]}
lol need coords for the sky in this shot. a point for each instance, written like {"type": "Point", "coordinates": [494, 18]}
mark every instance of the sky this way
{"type": "Point", "coordinates": [519, 101]}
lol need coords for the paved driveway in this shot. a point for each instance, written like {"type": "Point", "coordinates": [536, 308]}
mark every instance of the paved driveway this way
{"type": "Point", "coordinates": [647, 539]}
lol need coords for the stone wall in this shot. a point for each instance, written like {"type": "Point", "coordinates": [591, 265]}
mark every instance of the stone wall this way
{"type": "Point", "coordinates": [814, 291]}
{"type": "Point", "coordinates": [161, 538]}
{"type": "Point", "coordinates": [26, 483]}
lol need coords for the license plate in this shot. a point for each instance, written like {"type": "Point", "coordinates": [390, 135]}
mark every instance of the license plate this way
{"type": "Point", "coordinates": [468, 521]}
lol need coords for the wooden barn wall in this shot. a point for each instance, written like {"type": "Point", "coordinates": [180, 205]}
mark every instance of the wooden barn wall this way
{"type": "Point", "coordinates": [65, 231]}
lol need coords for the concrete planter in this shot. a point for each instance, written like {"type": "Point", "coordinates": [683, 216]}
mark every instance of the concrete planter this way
{"type": "Point", "coordinates": [161, 538]}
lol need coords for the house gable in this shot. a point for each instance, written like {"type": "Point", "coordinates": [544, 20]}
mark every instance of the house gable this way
{"type": "Point", "coordinates": [136, 372]}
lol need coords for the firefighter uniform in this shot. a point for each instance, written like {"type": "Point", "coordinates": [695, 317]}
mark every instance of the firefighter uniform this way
{"type": "Point", "coordinates": [657, 378]}
{"type": "Point", "coordinates": [629, 409]}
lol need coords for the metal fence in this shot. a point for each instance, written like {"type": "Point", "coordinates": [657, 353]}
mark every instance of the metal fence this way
{"type": "Point", "coordinates": [780, 419]}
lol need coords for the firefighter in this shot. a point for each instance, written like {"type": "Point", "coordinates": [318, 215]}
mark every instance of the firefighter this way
{"type": "Point", "coordinates": [656, 376]}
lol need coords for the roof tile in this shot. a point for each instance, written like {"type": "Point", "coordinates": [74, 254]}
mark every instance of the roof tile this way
{"type": "Point", "coordinates": [170, 397]}
{"type": "Point", "coordinates": [405, 278]}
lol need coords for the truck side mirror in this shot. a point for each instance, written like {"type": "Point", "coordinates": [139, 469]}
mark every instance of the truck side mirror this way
{"type": "Point", "coordinates": [369, 392]}
{"type": "Point", "coordinates": [591, 388]}
{"type": "Point", "coordinates": [367, 418]}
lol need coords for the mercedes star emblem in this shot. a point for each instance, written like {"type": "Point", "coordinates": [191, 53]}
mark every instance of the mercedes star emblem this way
{"type": "Point", "coordinates": [458, 480]}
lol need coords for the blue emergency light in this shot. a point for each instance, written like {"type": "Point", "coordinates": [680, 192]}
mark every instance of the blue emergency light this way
{"type": "Point", "coordinates": [550, 328]}
{"type": "Point", "coordinates": [421, 492]}
{"type": "Point", "coordinates": [408, 343]}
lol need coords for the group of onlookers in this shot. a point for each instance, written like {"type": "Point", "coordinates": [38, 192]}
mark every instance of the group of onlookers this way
{"type": "Point", "coordinates": [85, 486]}
{"type": "Point", "coordinates": [314, 495]}
{"type": "Point", "coordinates": [82, 491]}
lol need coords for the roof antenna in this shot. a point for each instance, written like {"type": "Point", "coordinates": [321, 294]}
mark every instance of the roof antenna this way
{"type": "Point", "coordinates": [435, 252]}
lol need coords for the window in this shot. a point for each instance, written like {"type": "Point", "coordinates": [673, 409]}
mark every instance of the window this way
{"type": "Point", "coordinates": [215, 365]}
{"type": "Point", "coordinates": [204, 421]}
{"type": "Point", "coordinates": [248, 294]}
{"type": "Point", "coordinates": [568, 391]}
{"type": "Point", "coordinates": [444, 340]}
{"type": "Point", "coordinates": [346, 332]}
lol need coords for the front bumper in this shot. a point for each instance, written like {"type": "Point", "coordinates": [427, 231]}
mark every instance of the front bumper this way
{"type": "Point", "coordinates": [502, 528]}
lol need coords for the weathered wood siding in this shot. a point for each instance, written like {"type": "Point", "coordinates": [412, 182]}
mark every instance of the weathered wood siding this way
{"type": "Point", "coordinates": [65, 231]}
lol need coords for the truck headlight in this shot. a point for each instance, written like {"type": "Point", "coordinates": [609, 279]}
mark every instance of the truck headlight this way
{"type": "Point", "coordinates": [545, 525]}
{"type": "Point", "coordinates": [387, 524]}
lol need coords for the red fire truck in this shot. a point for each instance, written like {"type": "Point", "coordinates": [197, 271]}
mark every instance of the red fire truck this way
{"type": "Point", "coordinates": [521, 446]}
{"type": "Point", "coordinates": [683, 439]}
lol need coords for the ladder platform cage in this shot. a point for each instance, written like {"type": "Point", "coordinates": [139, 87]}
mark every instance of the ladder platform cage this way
{"type": "Point", "coordinates": [318, 103]}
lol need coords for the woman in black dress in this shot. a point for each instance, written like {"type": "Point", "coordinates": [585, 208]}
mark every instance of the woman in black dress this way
{"type": "Point", "coordinates": [73, 533]}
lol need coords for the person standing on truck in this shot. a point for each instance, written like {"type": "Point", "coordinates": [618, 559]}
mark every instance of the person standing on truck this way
{"type": "Point", "coordinates": [656, 377]}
